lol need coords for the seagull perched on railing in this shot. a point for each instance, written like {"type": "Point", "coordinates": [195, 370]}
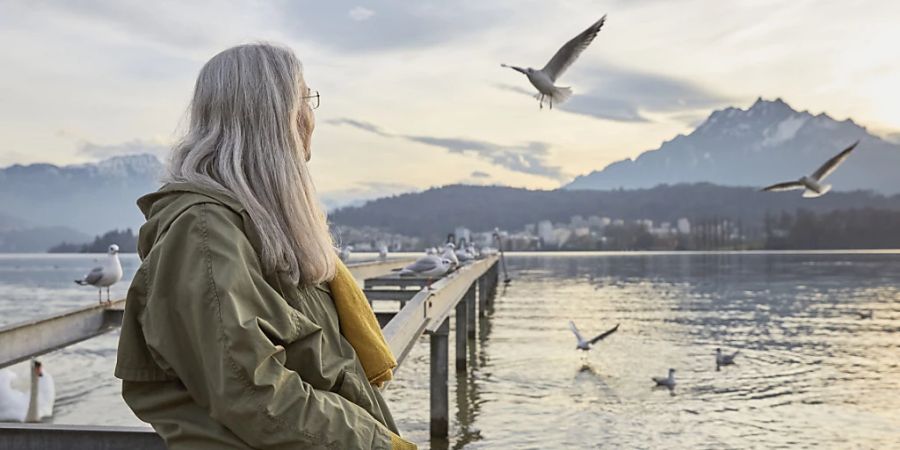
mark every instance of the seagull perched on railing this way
{"type": "Point", "coordinates": [105, 275]}
{"type": "Point", "coordinates": [584, 344]}
{"type": "Point", "coordinates": [543, 80]}
{"type": "Point", "coordinates": [813, 183]}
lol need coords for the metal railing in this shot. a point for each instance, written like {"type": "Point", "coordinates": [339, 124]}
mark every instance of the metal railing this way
{"type": "Point", "coordinates": [421, 311]}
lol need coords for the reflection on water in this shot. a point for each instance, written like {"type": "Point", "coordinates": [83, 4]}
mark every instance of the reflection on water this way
{"type": "Point", "coordinates": [811, 372]}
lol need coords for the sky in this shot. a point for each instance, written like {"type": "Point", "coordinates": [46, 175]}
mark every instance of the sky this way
{"type": "Point", "coordinates": [413, 95]}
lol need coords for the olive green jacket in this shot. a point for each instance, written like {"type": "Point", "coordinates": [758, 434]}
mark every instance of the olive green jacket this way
{"type": "Point", "coordinates": [215, 353]}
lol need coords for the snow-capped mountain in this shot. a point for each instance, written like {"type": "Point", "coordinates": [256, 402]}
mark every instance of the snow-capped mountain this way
{"type": "Point", "coordinates": [91, 198]}
{"type": "Point", "coordinates": [766, 143]}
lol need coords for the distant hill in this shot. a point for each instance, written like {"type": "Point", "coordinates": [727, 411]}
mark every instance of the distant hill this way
{"type": "Point", "coordinates": [766, 143]}
{"type": "Point", "coordinates": [20, 236]}
{"type": "Point", "coordinates": [432, 213]}
{"type": "Point", "coordinates": [125, 239]}
{"type": "Point", "coordinates": [89, 198]}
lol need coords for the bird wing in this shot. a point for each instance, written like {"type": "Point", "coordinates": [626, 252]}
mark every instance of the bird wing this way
{"type": "Point", "coordinates": [607, 333]}
{"type": "Point", "coordinates": [789, 186]}
{"type": "Point", "coordinates": [833, 163]}
{"type": "Point", "coordinates": [94, 275]}
{"type": "Point", "coordinates": [575, 330]}
{"type": "Point", "coordinates": [423, 265]}
{"type": "Point", "coordinates": [568, 53]}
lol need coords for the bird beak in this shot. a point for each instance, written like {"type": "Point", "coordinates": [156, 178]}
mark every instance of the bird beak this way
{"type": "Point", "coordinates": [517, 69]}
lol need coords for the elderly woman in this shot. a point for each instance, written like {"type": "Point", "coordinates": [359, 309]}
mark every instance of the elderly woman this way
{"type": "Point", "coordinates": [234, 335]}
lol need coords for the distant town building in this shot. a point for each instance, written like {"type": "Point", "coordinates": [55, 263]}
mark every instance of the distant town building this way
{"type": "Point", "coordinates": [577, 222]}
{"type": "Point", "coordinates": [462, 233]}
{"type": "Point", "coordinates": [684, 226]}
{"type": "Point", "coordinates": [545, 232]}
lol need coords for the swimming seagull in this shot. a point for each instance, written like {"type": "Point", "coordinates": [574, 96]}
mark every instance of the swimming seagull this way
{"type": "Point", "coordinates": [813, 183]}
{"type": "Point", "coordinates": [724, 359]}
{"type": "Point", "coordinates": [543, 79]}
{"type": "Point", "coordinates": [866, 314]}
{"type": "Point", "coordinates": [668, 382]}
{"type": "Point", "coordinates": [105, 275]}
{"type": "Point", "coordinates": [585, 345]}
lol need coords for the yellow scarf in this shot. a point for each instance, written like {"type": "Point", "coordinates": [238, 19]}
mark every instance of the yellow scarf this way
{"type": "Point", "coordinates": [360, 327]}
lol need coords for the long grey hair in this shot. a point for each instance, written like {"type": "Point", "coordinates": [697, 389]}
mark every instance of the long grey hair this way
{"type": "Point", "coordinates": [249, 136]}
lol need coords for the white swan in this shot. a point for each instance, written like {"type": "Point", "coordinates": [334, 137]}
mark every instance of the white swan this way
{"type": "Point", "coordinates": [668, 382]}
{"type": "Point", "coordinates": [17, 406]}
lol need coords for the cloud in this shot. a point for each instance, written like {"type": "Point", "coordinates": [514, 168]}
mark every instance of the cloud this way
{"type": "Point", "coordinates": [479, 174]}
{"type": "Point", "coordinates": [365, 126]}
{"type": "Point", "coordinates": [530, 158]}
{"type": "Point", "coordinates": [624, 95]}
{"type": "Point", "coordinates": [132, 147]}
{"type": "Point", "coordinates": [361, 192]}
{"type": "Point", "coordinates": [361, 14]}
{"type": "Point", "coordinates": [893, 136]}
{"type": "Point", "coordinates": [401, 24]}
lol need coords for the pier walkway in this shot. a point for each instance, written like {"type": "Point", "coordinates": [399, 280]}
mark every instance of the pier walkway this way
{"type": "Point", "coordinates": [406, 307]}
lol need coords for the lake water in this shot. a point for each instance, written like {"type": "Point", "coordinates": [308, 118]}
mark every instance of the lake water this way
{"type": "Point", "coordinates": [811, 372]}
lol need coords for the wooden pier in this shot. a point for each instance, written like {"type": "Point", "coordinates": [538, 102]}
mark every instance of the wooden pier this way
{"type": "Point", "coordinates": [406, 307]}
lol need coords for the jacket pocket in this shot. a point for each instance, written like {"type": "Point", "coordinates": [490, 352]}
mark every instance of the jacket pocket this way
{"type": "Point", "coordinates": [353, 388]}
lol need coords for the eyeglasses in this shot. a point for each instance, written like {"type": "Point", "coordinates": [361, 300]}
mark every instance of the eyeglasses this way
{"type": "Point", "coordinates": [312, 98]}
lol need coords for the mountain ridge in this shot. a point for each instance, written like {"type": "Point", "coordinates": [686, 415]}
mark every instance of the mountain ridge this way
{"type": "Point", "coordinates": [766, 143]}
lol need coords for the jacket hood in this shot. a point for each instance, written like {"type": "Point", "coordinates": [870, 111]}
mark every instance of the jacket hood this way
{"type": "Point", "coordinates": [162, 207]}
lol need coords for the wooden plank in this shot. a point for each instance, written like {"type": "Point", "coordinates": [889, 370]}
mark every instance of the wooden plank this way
{"type": "Point", "coordinates": [363, 270]}
{"type": "Point", "coordinates": [430, 308]}
{"type": "Point", "coordinates": [390, 294]}
{"type": "Point", "coordinates": [397, 281]}
{"type": "Point", "coordinates": [77, 437]}
{"type": "Point", "coordinates": [25, 340]}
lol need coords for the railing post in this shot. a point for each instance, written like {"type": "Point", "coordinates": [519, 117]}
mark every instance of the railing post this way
{"type": "Point", "coordinates": [470, 303]}
{"type": "Point", "coordinates": [462, 324]}
{"type": "Point", "coordinates": [483, 293]}
{"type": "Point", "coordinates": [440, 402]}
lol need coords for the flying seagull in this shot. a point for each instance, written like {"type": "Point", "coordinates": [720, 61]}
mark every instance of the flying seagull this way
{"type": "Point", "coordinates": [585, 345]}
{"type": "Point", "coordinates": [723, 359]}
{"type": "Point", "coordinates": [668, 382]}
{"type": "Point", "coordinates": [813, 183]}
{"type": "Point", "coordinates": [105, 275]}
{"type": "Point", "coordinates": [543, 79]}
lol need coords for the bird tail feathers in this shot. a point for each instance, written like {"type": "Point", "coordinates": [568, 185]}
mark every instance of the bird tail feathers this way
{"type": "Point", "coordinates": [81, 282]}
{"type": "Point", "coordinates": [561, 94]}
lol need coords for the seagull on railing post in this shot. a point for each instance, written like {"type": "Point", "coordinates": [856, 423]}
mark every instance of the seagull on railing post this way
{"type": "Point", "coordinates": [543, 79]}
{"type": "Point", "coordinates": [105, 275]}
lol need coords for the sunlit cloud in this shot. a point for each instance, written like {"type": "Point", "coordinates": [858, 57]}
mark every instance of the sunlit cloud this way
{"type": "Point", "coordinates": [529, 158]}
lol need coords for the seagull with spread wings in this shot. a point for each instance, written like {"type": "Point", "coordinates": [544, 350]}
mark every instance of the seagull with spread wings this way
{"type": "Point", "coordinates": [585, 345]}
{"type": "Point", "coordinates": [543, 79]}
{"type": "Point", "coordinates": [813, 183]}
